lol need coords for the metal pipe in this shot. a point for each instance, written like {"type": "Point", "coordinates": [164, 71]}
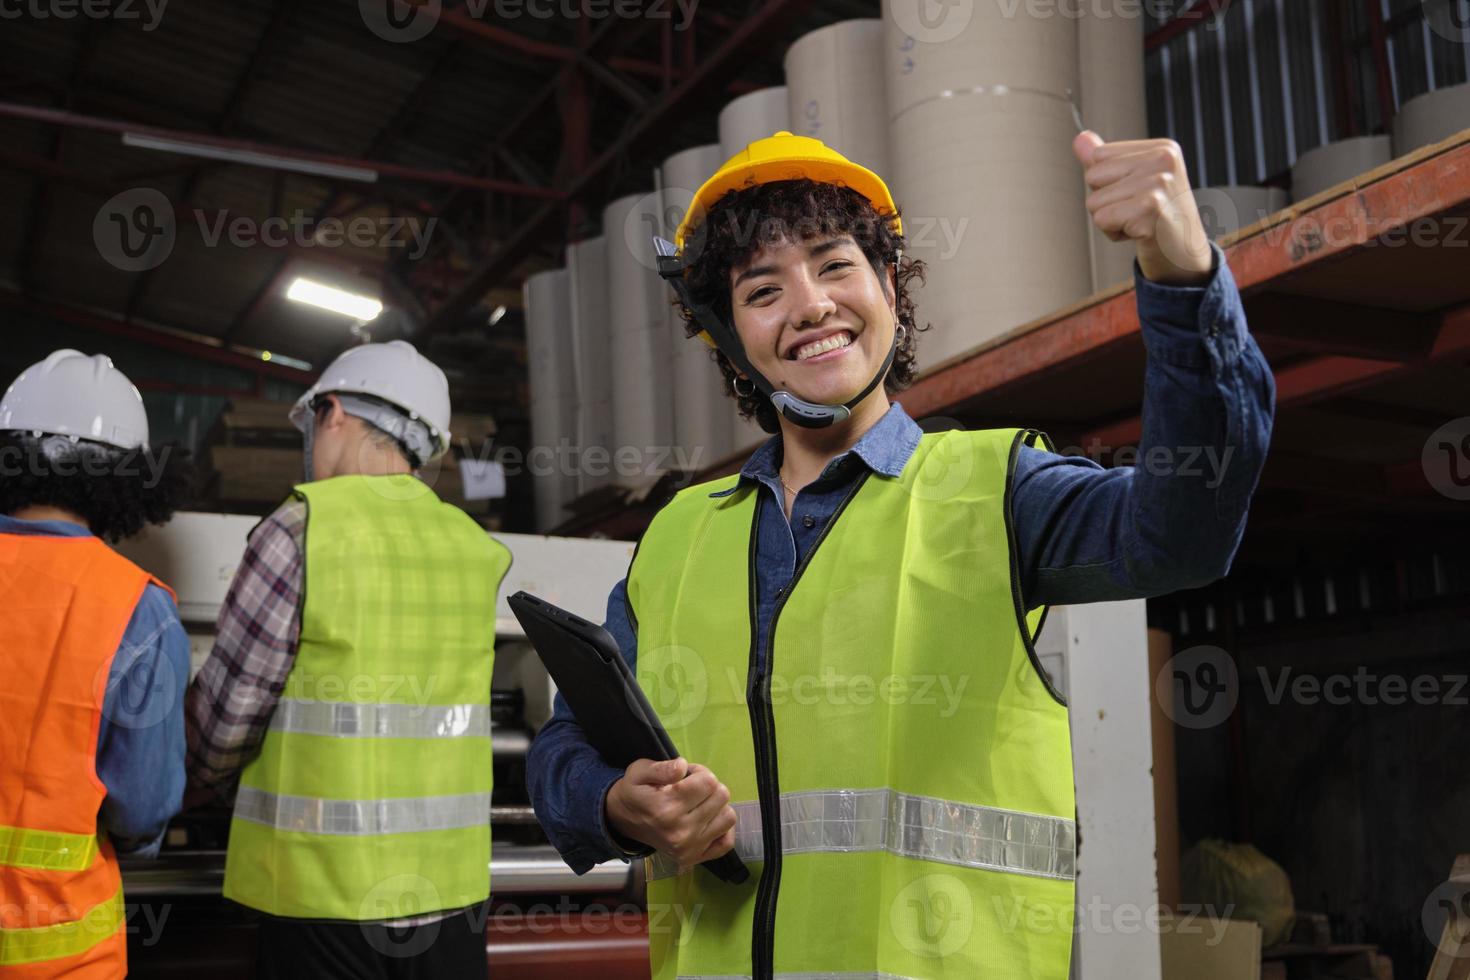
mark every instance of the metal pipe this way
{"type": "Point", "coordinates": [264, 152]}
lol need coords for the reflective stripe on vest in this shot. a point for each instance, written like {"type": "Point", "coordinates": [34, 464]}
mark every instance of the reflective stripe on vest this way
{"type": "Point", "coordinates": [102, 921]}
{"type": "Point", "coordinates": [911, 826]}
{"type": "Point", "coordinates": [46, 851]}
{"type": "Point", "coordinates": [362, 817]}
{"type": "Point", "coordinates": [302, 717]}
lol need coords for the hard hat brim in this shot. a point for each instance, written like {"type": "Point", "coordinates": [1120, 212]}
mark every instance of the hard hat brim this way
{"type": "Point", "coordinates": [823, 170]}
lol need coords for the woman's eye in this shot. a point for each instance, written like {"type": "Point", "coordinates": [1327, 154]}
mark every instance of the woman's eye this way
{"type": "Point", "coordinates": [760, 294]}
{"type": "Point", "coordinates": [836, 266]}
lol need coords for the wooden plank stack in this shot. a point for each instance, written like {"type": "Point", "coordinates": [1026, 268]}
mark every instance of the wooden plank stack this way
{"type": "Point", "coordinates": [253, 458]}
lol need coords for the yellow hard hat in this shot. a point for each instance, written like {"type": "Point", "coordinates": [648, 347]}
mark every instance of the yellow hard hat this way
{"type": "Point", "coordinates": [785, 156]}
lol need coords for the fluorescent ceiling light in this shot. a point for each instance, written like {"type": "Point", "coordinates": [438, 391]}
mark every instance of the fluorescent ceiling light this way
{"type": "Point", "coordinates": [326, 297]}
{"type": "Point", "coordinates": [254, 158]}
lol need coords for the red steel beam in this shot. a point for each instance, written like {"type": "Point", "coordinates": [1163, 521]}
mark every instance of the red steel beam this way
{"type": "Point", "coordinates": [1378, 34]}
{"type": "Point", "coordinates": [383, 168]}
{"type": "Point", "coordinates": [758, 30]}
{"type": "Point", "coordinates": [194, 346]}
{"type": "Point", "coordinates": [1347, 115]}
{"type": "Point", "coordinates": [462, 21]}
{"type": "Point", "coordinates": [1319, 378]}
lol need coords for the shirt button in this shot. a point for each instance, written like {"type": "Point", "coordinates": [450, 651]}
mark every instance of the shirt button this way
{"type": "Point", "coordinates": [808, 522]}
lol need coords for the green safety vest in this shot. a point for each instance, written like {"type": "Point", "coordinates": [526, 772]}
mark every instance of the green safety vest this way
{"type": "Point", "coordinates": [370, 798]}
{"type": "Point", "coordinates": [901, 767]}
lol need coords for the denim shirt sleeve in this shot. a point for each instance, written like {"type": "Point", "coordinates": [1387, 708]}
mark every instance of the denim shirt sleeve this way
{"type": "Point", "coordinates": [567, 778]}
{"type": "Point", "coordinates": [140, 742]}
{"type": "Point", "coordinates": [1174, 518]}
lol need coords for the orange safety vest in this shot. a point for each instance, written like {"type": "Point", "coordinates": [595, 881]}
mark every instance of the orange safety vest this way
{"type": "Point", "coordinates": [68, 602]}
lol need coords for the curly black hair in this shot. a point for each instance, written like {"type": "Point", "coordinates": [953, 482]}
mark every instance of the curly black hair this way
{"type": "Point", "coordinates": [116, 491]}
{"type": "Point", "coordinates": [744, 220]}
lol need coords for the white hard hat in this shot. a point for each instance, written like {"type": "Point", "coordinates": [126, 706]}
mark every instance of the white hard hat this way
{"type": "Point", "coordinates": [394, 372]}
{"type": "Point", "coordinates": [71, 394]}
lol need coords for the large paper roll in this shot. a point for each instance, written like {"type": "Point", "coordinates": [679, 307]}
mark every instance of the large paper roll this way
{"type": "Point", "coordinates": [591, 330]}
{"type": "Point", "coordinates": [751, 117]}
{"type": "Point", "coordinates": [642, 400]}
{"type": "Point", "coordinates": [1333, 163]}
{"type": "Point", "coordinates": [702, 412]}
{"type": "Point", "coordinates": [547, 297]}
{"type": "Point", "coordinates": [1227, 209]}
{"type": "Point", "coordinates": [1113, 105]}
{"type": "Point", "coordinates": [1430, 118]}
{"type": "Point", "coordinates": [991, 194]}
{"type": "Point", "coordinates": [836, 94]}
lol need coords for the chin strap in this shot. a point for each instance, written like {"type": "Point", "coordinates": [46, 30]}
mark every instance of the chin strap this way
{"type": "Point", "coordinates": [808, 415]}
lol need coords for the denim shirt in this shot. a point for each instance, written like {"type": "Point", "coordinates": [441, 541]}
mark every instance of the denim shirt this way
{"type": "Point", "coordinates": [140, 740]}
{"type": "Point", "coordinates": [1084, 533]}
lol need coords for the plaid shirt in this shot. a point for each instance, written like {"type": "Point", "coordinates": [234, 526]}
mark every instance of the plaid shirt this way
{"type": "Point", "coordinates": [230, 703]}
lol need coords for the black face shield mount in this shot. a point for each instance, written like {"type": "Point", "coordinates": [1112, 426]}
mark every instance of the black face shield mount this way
{"type": "Point", "coordinates": [808, 415]}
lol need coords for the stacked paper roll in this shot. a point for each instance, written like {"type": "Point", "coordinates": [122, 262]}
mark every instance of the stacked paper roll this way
{"type": "Point", "coordinates": [1113, 105]}
{"type": "Point", "coordinates": [591, 347]}
{"type": "Point", "coordinates": [982, 128]}
{"type": "Point", "coordinates": [642, 403]}
{"type": "Point", "coordinates": [1226, 209]}
{"type": "Point", "coordinates": [751, 117]}
{"type": "Point", "coordinates": [1333, 163]}
{"type": "Point", "coordinates": [702, 411]}
{"type": "Point", "coordinates": [836, 94]}
{"type": "Point", "coordinates": [1430, 118]}
{"type": "Point", "coordinates": [547, 297]}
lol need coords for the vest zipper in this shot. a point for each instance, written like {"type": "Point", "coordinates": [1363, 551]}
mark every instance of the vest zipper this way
{"type": "Point", "coordinates": [763, 727]}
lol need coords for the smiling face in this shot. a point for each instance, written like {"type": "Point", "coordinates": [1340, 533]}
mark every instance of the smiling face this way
{"type": "Point", "coordinates": [814, 317]}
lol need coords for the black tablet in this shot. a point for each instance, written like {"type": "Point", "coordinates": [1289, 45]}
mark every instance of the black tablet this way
{"type": "Point", "coordinates": [584, 661]}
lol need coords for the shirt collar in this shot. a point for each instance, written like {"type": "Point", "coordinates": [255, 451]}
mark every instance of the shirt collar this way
{"type": "Point", "coordinates": [56, 529]}
{"type": "Point", "coordinates": [885, 449]}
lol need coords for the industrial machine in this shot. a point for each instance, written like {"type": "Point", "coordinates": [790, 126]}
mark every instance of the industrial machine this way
{"type": "Point", "coordinates": [543, 919]}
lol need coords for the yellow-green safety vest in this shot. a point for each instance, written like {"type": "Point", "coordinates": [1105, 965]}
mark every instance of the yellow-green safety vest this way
{"type": "Point", "coordinates": [370, 798]}
{"type": "Point", "coordinates": [900, 765]}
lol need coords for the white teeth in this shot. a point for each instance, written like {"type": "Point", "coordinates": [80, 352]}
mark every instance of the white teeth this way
{"type": "Point", "coordinates": [833, 342]}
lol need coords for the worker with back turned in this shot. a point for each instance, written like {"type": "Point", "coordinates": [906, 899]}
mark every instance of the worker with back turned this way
{"type": "Point", "coordinates": [348, 694]}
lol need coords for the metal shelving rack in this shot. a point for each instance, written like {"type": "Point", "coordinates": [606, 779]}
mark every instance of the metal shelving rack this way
{"type": "Point", "coordinates": [1360, 299]}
